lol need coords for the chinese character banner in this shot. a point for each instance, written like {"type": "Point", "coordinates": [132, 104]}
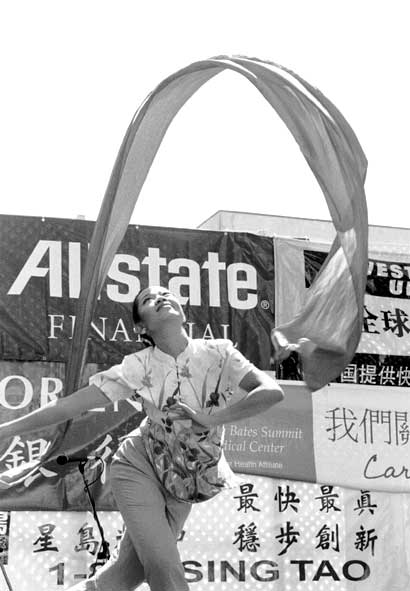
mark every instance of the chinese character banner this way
{"type": "Point", "coordinates": [383, 354]}
{"type": "Point", "coordinates": [344, 434]}
{"type": "Point", "coordinates": [362, 437]}
{"type": "Point", "coordinates": [265, 533]}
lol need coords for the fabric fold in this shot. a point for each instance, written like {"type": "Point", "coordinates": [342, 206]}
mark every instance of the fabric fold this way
{"type": "Point", "coordinates": [332, 316]}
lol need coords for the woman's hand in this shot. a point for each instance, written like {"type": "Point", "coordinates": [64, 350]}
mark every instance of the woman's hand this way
{"type": "Point", "coordinates": [283, 349]}
{"type": "Point", "coordinates": [181, 411]}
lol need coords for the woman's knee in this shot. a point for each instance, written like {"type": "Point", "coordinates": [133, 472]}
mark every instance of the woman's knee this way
{"type": "Point", "coordinates": [127, 580]}
{"type": "Point", "coordinates": [123, 572]}
{"type": "Point", "coordinates": [166, 574]}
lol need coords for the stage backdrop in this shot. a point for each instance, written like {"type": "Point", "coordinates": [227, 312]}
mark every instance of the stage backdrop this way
{"type": "Point", "coordinates": [227, 281]}
{"type": "Point", "coordinates": [271, 530]}
{"type": "Point", "coordinates": [266, 534]}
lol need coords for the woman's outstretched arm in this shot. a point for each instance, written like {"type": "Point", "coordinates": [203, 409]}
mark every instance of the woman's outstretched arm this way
{"type": "Point", "coordinates": [262, 393]}
{"type": "Point", "coordinates": [56, 411]}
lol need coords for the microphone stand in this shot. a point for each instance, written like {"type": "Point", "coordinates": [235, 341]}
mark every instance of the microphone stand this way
{"type": "Point", "coordinates": [104, 552]}
{"type": "Point", "coordinates": [6, 578]}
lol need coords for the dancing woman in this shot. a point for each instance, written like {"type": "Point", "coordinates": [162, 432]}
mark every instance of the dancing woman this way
{"type": "Point", "coordinates": [188, 389]}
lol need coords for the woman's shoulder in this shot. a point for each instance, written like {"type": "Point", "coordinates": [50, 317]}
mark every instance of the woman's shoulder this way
{"type": "Point", "coordinates": [217, 345]}
{"type": "Point", "coordinates": [137, 357]}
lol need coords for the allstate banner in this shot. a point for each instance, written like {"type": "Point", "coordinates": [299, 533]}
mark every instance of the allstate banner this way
{"type": "Point", "coordinates": [264, 534]}
{"type": "Point", "coordinates": [225, 279]}
{"type": "Point", "coordinates": [383, 353]}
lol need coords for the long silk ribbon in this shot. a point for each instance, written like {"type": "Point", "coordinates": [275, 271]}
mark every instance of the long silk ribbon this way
{"type": "Point", "coordinates": [332, 315]}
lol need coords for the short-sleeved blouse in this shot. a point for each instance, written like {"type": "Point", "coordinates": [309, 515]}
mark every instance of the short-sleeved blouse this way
{"type": "Point", "coordinates": [187, 459]}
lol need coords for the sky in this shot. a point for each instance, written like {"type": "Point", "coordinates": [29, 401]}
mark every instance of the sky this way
{"type": "Point", "coordinates": [74, 73]}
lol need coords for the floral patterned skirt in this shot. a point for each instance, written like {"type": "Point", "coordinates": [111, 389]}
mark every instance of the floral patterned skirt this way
{"type": "Point", "coordinates": [185, 462]}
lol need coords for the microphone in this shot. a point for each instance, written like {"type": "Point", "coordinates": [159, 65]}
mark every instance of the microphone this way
{"type": "Point", "coordinates": [63, 459]}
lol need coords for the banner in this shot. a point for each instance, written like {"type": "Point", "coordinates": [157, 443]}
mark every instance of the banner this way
{"type": "Point", "coordinates": [362, 437]}
{"type": "Point", "coordinates": [263, 534]}
{"type": "Point", "coordinates": [383, 353]}
{"type": "Point", "coordinates": [279, 442]}
{"type": "Point", "coordinates": [29, 483]}
{"type": "Point", "coordinates": [224, 280]}
{"type": "Point", "coordinates": [4, 536]}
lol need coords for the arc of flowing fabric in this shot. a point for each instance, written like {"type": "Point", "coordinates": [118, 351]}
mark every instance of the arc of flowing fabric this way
{"type": "Point", "coordinates": [332, 315]}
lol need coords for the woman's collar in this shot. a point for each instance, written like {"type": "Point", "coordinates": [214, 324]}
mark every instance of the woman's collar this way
{"type": "Point", "coordinates": [161, 355]}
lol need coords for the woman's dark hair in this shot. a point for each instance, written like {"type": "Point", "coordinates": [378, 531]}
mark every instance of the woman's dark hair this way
{"type": "Point", "coordinates": [135, 313]}
{"type": "Point", "coordinates": [137, 318]}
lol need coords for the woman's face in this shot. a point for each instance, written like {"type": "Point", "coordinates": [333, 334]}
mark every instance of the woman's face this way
{"type": "Point", "coordinates": [157, 305]}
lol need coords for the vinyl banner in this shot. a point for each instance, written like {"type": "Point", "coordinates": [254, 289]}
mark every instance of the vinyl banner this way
{"type": "Point", "coordinates": [279, 442]}
{"type": "Point", "coordinates": [348, 435]}
{"type": "Point", "coordinates": [26, 481]}
{"type": "Point", "coordinates": [4, 536]}
{"type": "Point", "coordinates": [225, 279]}
{"type": "Point", "coordinates": [265, 534]}
{"type": "Point", "coordinates": [362, 437]}
{"type": "Point", "coordinates": [383, 353]}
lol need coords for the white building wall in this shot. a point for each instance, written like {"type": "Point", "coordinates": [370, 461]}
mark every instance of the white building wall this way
{"type": "Point", "coordinates": [394, 239]}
